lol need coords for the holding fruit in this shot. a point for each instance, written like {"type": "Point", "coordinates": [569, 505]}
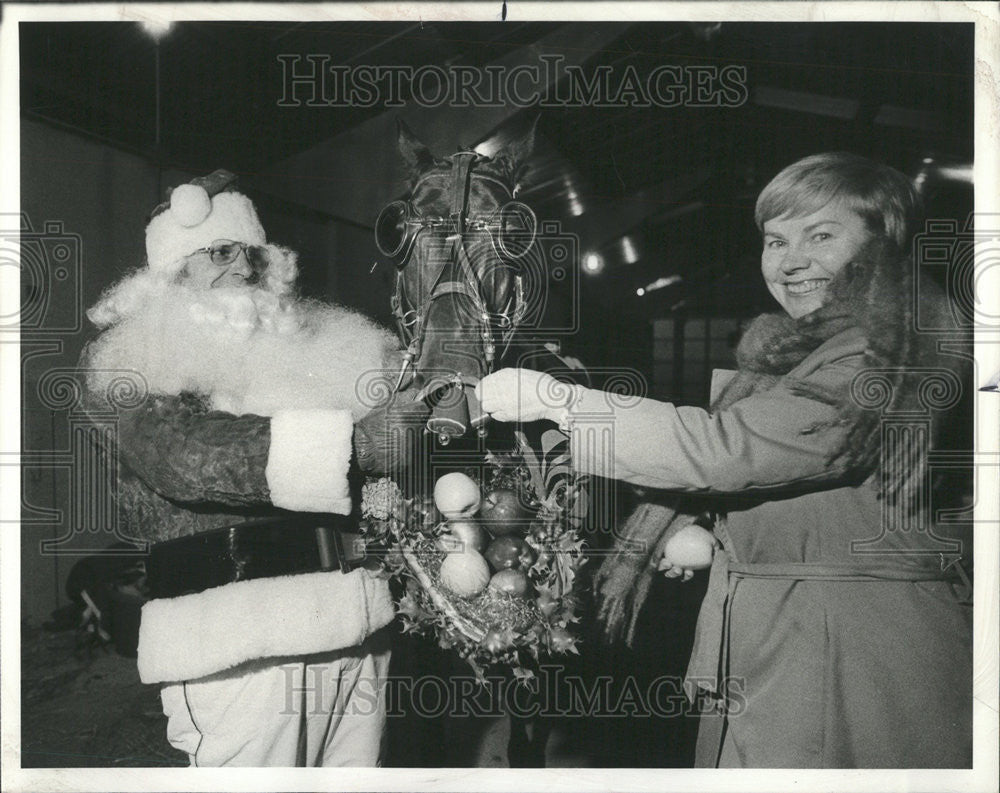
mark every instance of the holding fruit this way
{"type": "Point", "coordinates": [490, 558]}
{"type": "Point", "coordinates": [691, 548]}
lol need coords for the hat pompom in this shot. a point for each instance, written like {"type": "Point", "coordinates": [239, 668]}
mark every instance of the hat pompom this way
{"type": "Point", "coordinates": [190, 204]}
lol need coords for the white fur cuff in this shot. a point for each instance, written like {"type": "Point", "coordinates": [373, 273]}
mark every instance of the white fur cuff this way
{"type": "Point", "coordinates": [192, 636]}
{"type": "Point", "coordinates": [308, 460]}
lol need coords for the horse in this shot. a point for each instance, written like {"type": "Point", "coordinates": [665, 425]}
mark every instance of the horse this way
{"type": "Point", "coordinates": [458, 242]}
{"type": "Point", "coordinates": [461, 242]}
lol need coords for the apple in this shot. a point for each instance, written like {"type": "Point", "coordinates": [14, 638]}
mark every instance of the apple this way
{"type": "Point", "coordinates": [466, 573]}
{"type": "Point", "coordinates": [513, 582]}
{"type": "Point", "coordinates": [503, 513]}
{"type": "Point", "coordinates": [692, 548]}
{"type": "Point", "coordinates": [469, 533]}
{"type": "Point", "coordinates": [509, 552]}
{"type": "Point", "coordinates": [449, 543]}
{"type": "Point", "coordinates": [456, 495]}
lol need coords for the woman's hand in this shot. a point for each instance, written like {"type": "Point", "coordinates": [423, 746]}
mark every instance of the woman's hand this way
{"type": "Point", "coordinates": [690, 549]}
{"type": "Point", "coordinates": [524, 395]}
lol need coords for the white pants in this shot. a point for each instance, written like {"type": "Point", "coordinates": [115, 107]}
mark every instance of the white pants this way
{"type": "Point", "coordinates": [326, 709]}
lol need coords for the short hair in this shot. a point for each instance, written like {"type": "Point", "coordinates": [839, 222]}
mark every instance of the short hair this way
{"type": "Point", "coordinates": [884, 197]}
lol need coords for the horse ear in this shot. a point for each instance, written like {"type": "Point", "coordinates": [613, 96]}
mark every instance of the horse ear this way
{"type": "Point", "coordinates": [517, 153]}
{"type": "Point", "coordinates": [417, 156]}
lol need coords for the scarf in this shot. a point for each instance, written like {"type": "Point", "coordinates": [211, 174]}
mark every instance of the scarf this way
{"type": "Point", "coordinates": [873, 292]}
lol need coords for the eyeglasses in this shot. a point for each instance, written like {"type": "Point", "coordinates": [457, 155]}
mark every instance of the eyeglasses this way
{"type": "Point", "coordinates": [223, 252]}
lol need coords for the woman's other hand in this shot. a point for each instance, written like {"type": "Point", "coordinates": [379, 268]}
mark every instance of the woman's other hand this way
{"type": "Point", "coordinates": [524, 395]}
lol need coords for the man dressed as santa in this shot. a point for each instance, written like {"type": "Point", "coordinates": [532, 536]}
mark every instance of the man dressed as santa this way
{"type": "Point", "coordinates": [234, 465]}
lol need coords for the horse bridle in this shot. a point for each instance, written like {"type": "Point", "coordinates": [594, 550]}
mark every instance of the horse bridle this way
{"type": "Point", "coordinates": [412, 321]}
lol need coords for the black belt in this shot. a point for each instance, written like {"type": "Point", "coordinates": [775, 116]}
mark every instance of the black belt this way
{"type": "Point", "coordinates": [255, 549]}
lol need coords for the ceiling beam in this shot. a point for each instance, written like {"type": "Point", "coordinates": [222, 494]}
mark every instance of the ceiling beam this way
{"type": "Point", "coordinates": [353, 174]}
{"type": "Point", "coordinates": [602, 224]}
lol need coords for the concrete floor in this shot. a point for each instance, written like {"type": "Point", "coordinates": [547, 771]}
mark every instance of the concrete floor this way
{"type": "Point", "coordinates": [91, 709]}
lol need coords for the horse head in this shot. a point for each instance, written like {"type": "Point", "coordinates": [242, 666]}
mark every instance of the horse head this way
{"type": "Point", "coordinates": [457, 242]}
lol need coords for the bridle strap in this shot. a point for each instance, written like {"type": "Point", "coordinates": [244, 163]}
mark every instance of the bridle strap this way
{"type": "Point", "coordinates": [461, 165]}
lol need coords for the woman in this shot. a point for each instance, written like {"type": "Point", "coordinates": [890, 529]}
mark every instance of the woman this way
{"type": "Point", "coordinates": [823, 641]}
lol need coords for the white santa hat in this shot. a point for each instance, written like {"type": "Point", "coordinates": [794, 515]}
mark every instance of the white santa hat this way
{"type": "Point", "coordinates": [197, 214]}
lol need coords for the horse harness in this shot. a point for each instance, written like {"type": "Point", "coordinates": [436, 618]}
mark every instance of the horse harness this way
{"type": "Point", "coordinates": [412, 321]}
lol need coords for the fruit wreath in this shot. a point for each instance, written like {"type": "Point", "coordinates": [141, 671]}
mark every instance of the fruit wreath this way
{"type": "Point", "coordinates": [489, 561]}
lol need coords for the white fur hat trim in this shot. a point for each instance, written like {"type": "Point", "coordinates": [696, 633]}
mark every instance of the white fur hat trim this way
{"type": "Point", "coordinates": [169, 240]}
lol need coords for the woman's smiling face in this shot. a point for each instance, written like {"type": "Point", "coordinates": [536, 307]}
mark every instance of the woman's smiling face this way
{"type": "Point", "coordinates": [802, 254]}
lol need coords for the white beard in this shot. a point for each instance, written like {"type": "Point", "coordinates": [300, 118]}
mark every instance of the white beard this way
{"type": "Point", "coordinates": [246, 350]}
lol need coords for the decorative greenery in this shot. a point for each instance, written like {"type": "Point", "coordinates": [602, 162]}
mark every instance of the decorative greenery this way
{"type": "Point", "coordinates": [492, 627]}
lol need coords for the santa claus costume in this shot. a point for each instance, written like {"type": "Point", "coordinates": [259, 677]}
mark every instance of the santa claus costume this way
{"type": "Point", "coordinates": [232, 449]}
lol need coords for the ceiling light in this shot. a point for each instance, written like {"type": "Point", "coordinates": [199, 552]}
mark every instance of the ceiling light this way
{"type": "Point", "coordinates": [575, 205]}
{"type": "Point", "coordinates": [157, 28]}
{"type": "Point", "coordinates": [489, 147]}
{"type": "Point", "coordinates": [956, 173]}
{"type": "Point", "coordinates": [593, 263]}
{"type": "Point", "coordinates": [659, 283]}
{"type": "Point", "coordinates": [629, 253]}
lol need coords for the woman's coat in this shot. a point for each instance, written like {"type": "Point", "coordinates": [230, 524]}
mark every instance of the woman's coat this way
{"type": "Point", "coordinates": [830, 633]}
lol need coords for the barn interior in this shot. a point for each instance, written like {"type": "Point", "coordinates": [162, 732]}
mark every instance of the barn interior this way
{"type": "Point", "coordinates": [657, 198]}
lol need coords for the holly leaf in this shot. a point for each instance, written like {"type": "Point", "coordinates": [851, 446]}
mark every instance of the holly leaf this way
{"type": "Point", "coordinates": [559, 467]}
{"type": "Point", "coordinates": [523, 675]}
{"type": "Point", "coordinates": [408, 606]}
{"type": "Point", "coordinates": [551, 438]}
{"type": "Point", "coordinates": [562, 641]}
{"type": "Point", "coordinates": [547, 601]}
{"type": "Point", "coordinates": [409, 626]}
{"type": "Point", "coordinates": [531, 462]}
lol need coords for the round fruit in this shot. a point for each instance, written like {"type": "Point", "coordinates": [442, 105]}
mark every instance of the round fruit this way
{"type": "Point", "coordinates": [503, 513]}
{"type": "Point", "coordinates": [470, 533]}
{"type": "Point", "coordinates": [508, 552]}
{"type": "Point", "coordinates": [466, 573]}
{"type": "Point", "coordinates": [692, 548]}
{"type": "Point", "coordinates": [449, 543]}
{"type": "Point", "coordinates": [513, 582]}
{"type": "Point", "coordinates": [456, 495]}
